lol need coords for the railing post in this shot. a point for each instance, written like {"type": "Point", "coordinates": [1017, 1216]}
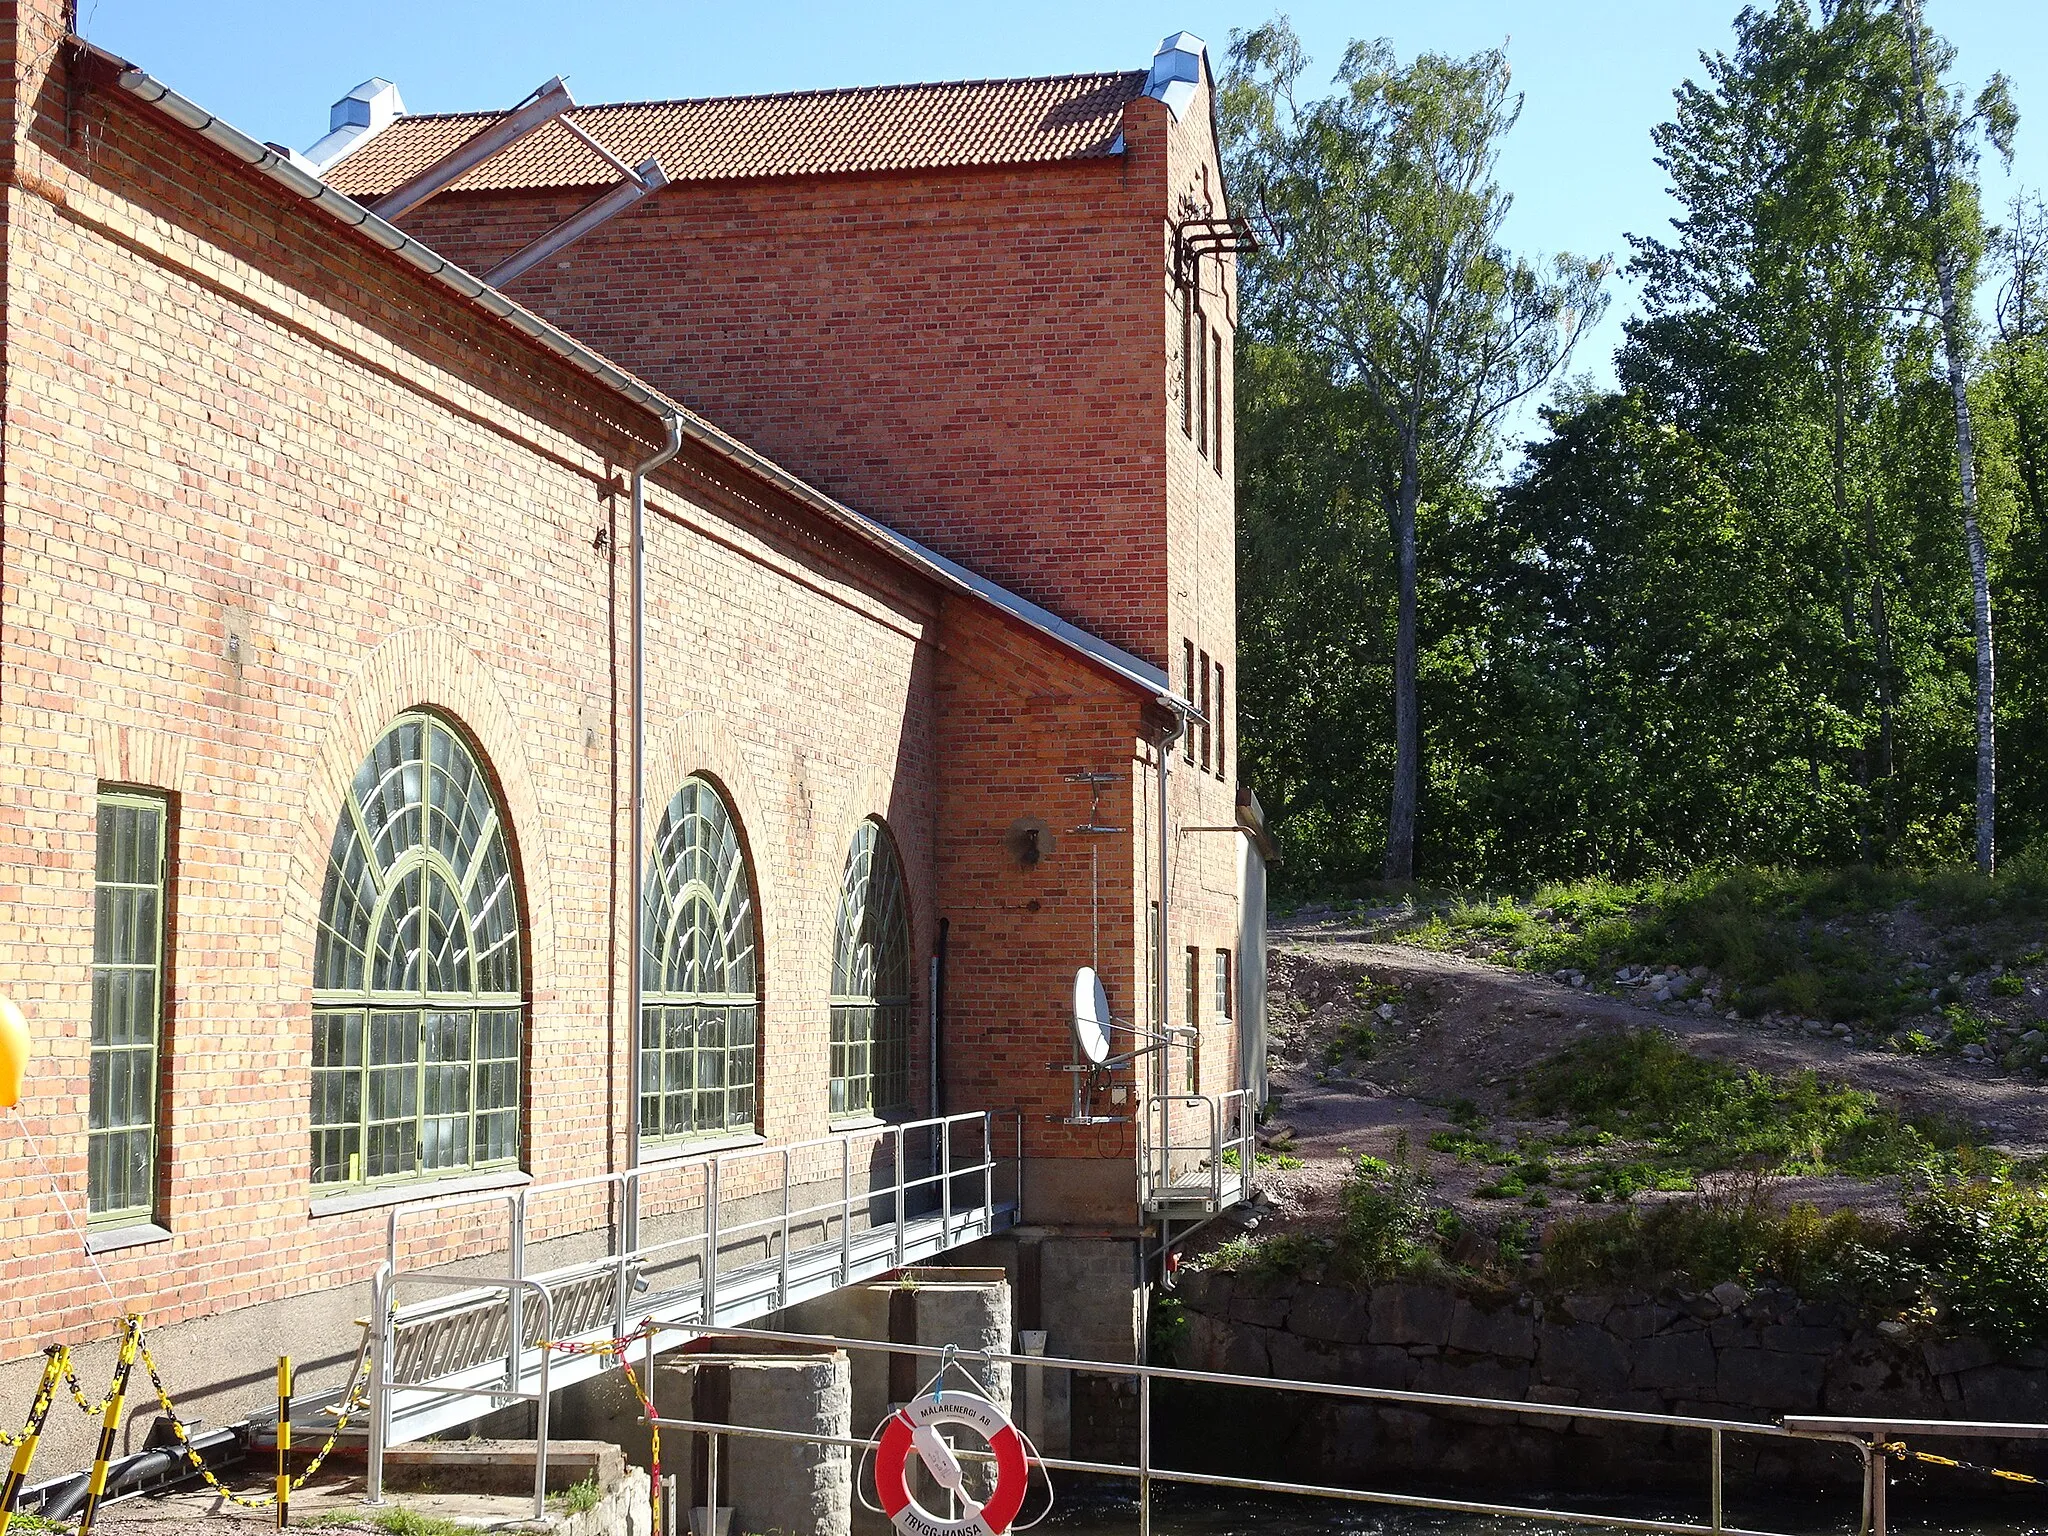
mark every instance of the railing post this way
{"type": "Point", "coordinates": [629, 1200]}
{"type": "Point", "coordinates": [1145, 1454]}
{"type": "Point", "coordinates": [782, 1286]}
{"type": "Point", "coordinates": [1877, 1486]}
{"type": "Point", "coordinates": [1215, 1108]}
{"type": "Point", "coordinates": [845, 1211]}
{"type": "Point", "coordinates": [945, 1184]}
{"type": "Point", "coordinates": [902, 1194]}
{"type": "Point", "coordinates": [1714, 1438]}
{"type": "Point", "coordinates": [380, 1399]}
{"type": "Point", "coordinates": [711, 1201]}
{"type": "Point", "coordinates": [515, 1302]}
{"type": "Point", "coordinates": [540, 1427]}
{"type": "Point", "coordinates": [988, 1174]}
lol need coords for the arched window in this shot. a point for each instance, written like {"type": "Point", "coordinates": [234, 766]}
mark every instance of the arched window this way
{"type": "Point", "coordinates": [871, 980]}
{"type": "Point", "coordinates": [416, 972]}
{"type": "Point", "coordinates": [700, 1000]}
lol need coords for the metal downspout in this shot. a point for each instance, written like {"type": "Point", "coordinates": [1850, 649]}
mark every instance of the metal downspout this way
{"type": "Point", "coordinates": [672, 424]}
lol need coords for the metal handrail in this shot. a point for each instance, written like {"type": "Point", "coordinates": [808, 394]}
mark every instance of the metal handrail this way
{"type": "Point", "coordinates": [1156, 1154]}
{"type": "Point", "coordinates": [700, 1185]}
{"type": "Point", "coordinates": [1146, 1473]}
{"type": "Point", "coordinates": [384, 1317]}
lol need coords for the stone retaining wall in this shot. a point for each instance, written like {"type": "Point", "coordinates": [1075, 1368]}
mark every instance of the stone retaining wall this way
{"type": "Point", "coordinates": [1727, 1355]}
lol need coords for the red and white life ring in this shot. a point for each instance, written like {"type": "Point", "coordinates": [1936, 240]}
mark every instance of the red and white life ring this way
{"type": "Point", "coordinates": [916, 1424]}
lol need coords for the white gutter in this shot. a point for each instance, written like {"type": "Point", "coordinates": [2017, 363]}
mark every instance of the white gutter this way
{"type": "Point", "coordinates": [273, 164]}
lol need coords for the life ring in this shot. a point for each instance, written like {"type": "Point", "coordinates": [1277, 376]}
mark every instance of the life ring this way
{"type": "Point", "coordinates": [916, 1424]}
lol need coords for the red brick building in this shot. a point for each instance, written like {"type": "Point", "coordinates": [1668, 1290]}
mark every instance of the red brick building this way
{"type": "Point", "coordinates": [316, 705]}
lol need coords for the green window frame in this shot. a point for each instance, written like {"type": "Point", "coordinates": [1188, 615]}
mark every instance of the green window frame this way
{"type": "Point", "coordinates": [128, 929]}
{"type": "Point", "coordinates": [870, 1047]}
{"type": "Point", "coordinates": [699, 974]}
{"type": "Point", "coordinates": [418, 1012]}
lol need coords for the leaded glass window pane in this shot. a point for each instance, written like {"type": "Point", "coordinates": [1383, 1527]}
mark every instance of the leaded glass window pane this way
{"type": "Point", "coordinates": [417, 1015]}
{"type": "Point", "coordinates": [698, 978]}
{"type": "Point", "coordinates": [127, 1007]}
{"type": "Point", "coordinates": [870, 1048]}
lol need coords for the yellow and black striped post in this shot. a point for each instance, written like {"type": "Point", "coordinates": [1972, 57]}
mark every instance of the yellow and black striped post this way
{"type": "Point", "coordinates": [284, 1441]}
{"type": "Point", "coordinates": [25, 1448]}
{"type": "Point", "coordinates": [131, 1338]}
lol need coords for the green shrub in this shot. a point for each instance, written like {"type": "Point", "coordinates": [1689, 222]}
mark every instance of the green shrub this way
{"type": "Point", "coordinates": [1387, 1224]}
{"type": "Point", "coordinates": [1979, 1250]}
{"type": "Point", "coordinates": [1700, 1243]}
{"type": "Point", "coordinates": [578, 1497]}
{"type": "Point", "coordinates": [2007, 985]}
{"type": "Point", "coordinates": [1166, 1332]}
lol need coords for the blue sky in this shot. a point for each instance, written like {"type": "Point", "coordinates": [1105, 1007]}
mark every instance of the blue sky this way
{"type": "Point", "coordinates": [1597, 73]}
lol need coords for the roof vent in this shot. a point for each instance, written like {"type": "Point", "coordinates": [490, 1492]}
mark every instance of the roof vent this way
{"type": "Point", "coordinates": [1176, 72]}
{"type": "Point", "coordinates": [356, 119]}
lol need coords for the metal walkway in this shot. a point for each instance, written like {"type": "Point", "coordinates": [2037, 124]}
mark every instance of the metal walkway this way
{"type": "Point", "coordinates": [1197, 1153]}
{"type": "Point", "coordinates": [704, 1242]}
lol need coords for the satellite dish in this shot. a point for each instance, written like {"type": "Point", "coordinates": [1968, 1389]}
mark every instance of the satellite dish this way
{"type": "Point", "coordinates": [1091, 1015]}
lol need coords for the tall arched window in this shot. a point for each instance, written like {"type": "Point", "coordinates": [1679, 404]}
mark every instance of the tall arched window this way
{"type": "Point", "coordinates": [700, 1000]}
{"type": "Point", "coordinates": [871, 980]}
{"type": "Point", "coordinates": [416, 972]}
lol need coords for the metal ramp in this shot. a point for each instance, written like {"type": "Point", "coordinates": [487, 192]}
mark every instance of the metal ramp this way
{"type": "Point", "coordinates": [706, 1242]}
{"type": "Point", "coordinates": [1197, 1153]}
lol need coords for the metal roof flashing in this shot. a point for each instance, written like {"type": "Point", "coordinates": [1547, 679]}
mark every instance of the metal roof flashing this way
{"type": "Point", "coordinates": [275, 166]}
{"type": "Point", "coordinates": [354, 120]}
{"type": "Point", "coordinates": [1177, 72]}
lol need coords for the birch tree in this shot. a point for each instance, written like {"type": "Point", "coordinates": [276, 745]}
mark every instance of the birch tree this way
{"type": "Point", "coordinates": [1945, 144]}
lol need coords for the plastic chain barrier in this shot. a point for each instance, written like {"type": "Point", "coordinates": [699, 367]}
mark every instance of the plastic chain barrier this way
{"type": "Point", "coordinates": [110, 1423]}
{"type": "Point", "coordinates": [54, 1369]}
{"type": "Point", "coordinates": [618, 1349]}
{"type": "Point", "coordinates": [1900, 1452]}
{"type": "Point", "coordinates": [352, 1400]}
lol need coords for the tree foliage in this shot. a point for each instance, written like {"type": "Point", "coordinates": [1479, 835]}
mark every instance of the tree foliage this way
{"type": "Point", "coordinates": [1722, 610]}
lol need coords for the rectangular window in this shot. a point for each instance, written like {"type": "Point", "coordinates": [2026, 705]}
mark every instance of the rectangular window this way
{"type": "Point", "coordinates": [1155, 1013]}
{"type": "Point", "coordinates": [1187, 738]}
{"type": "Point", "coordinates": [406, 1093]}
{"type": "Point", "coordinates": [1186, 381]}
{"type": "Point", "coordinates": [1223, 1000]}
{"type": "Point", "coordinates": [1216, 391]}
{"type": "Point", "coordinates": [1194, 1019]}
{"type": "Point", "coordinates": [127, 1007]}
{"type": "Point", "coordinates": [1220, 715]}
{"type": "Point", "coordinates": [1201, 388]}
{"type": "Point", "coordinates": [1203, 705]}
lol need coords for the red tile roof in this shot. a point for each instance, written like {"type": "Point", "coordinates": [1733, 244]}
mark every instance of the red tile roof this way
{"type": "Point", "coordinates": [802, 133]}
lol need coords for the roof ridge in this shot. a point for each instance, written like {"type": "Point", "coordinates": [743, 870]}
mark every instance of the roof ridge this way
{"type": "Point", "coordinates": [826, 90]}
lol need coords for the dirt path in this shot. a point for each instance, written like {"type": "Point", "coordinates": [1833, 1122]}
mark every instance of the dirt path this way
{"type": "Point", "coordinates": [1449, 1028]}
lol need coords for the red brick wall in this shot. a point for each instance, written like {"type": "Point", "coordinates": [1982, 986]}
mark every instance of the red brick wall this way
{"type": "Point", "coordinates": [989, 358]}
{"type": "Point", "coordinates": [226, 417]}
{"type": "Point", "coordinates": [975, 356]}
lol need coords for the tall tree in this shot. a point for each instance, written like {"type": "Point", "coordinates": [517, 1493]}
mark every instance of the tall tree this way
{"type": "Point", "coordinates": [1946, 150]}
{"type": "Point", "coordinates": [1381, 259]}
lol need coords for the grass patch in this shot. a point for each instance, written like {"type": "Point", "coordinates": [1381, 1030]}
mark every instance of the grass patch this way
{"type": "Point", "coordinates": [577, 1497]}
{"type": "Point", "coordinates": [1814, 942]}
{"type": "Point", "coordinates": [1681, 1115]}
